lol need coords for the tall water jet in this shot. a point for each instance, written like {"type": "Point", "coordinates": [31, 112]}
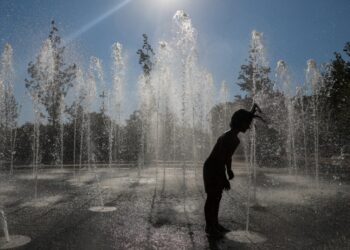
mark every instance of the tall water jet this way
{"type": "Point", "coordinates": [167, 106]}
{"type": "Point", "coordinates": [224, 91]}
{"type": "Point", "coordinates": [8, 106]}
{"type": "Point", "coordinates": [4, 226]}
{"type": "Point", "coordinates": [87, 105]}
{"type": "Point", "coordinates": [161, 83]}
{"type": "Point", "coordinates": [300, 100]}
{"type": "Point", "coordinates": [2, 132]}
{"type": "Point", "coordinates": [185, 42]}
{"type": "Point", "coordinates": [246, 236]}
{"type": "Point", "coordinates": [46, 64]}
{"type": "Point", "coordinates": [2, 143]}
{"type": "Point", "coordinates": [283, 78]}
{"type": "Point", "coordinates": [78, 98]}
{"type": "Point", "coordinates": [258, 60]}
{"type": "Point", "coordinates": [13, 241]}
{"type": "Point", "coordinates": [95, 75]}
{"type": "Point", "coordinates": [314, 83]}
{"type": "Point", "coordinates": [180, 93]}
{"type": "Point", "coordinates": [147, 102]}
{"type": "Point", "coordinates": [175, 99]}
{"type": "Point", "coordinates": [160, 79]}
{"type": "Point", "coordinates": [206, 93]}
{"type": "Point", "coordinates": [61, 121]}
{"type": "Point", "coordinates": [118, 75]}
{"type": "Point", "coordinates": [245, 143]}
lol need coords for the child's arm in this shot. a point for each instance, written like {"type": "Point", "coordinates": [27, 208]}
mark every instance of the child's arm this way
{"type": "Point", "coordinates": [228, 161]}
{"type": "Point", "coordinates": [229, 168]}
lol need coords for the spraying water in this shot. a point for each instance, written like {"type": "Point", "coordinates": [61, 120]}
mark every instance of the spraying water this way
{"type": "Point", "coordinates": [78, 98]}
{"type": "Point", "coordinates": [283, 77]}
{"type": "Point", "coordinates": [118, 73]}
{"type": "Point", "coordinates": [45, 63]}
{"type": "Point", "coordinates": [175, 100]}
{"type": "Point", "coordinates": [8, 105]}
{"type": "Point", "coordinates": [95, 72]}
{"type": "Point", "coordinates": [95, 75]}
{"type": "Point", "coordinates": [258, 59]}
{"type": "Point", "coordinates": [246, 236]}
{"type": "Point", "coordinates": [224, 98]}
{"type": "Point", "coordinates": [299, 97]}
{"type": "Point", "coordinates": [313, 82]}
{"type": "Point", "coordinates": [13, 241]}
{"type": "Point", "coordinates": [245, 142]}
{"type": "Point", "coordinates": [62, 111]}
{"type": "Point", "coordinates": [185, 46]}
{"type": "Point", "coordinates": [4, 226]}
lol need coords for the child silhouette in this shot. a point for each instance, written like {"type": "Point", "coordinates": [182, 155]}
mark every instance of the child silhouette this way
{"type": "Point", "coordinates": [219, 162]}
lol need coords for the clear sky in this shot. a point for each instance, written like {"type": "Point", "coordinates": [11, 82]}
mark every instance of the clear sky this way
{"type": "Point", "coordinates": [293, 31]}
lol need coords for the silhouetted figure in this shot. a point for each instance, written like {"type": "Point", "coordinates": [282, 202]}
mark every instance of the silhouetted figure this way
{"type": "Point", "coordinates": [218, 163]}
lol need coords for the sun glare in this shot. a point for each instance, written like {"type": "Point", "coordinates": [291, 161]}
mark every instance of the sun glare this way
{"type": "Point", "coordinates": [167, 3]}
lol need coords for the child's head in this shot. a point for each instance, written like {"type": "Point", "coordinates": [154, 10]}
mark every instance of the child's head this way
{"type": "Point", "coordinates": [242, 118]}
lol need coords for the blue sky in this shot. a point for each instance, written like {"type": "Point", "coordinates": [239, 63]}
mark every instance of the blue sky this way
{"type": "Point", "coordinates": [293, 31]}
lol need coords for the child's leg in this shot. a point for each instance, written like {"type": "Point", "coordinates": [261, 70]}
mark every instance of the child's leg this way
{"type": "Point", "coordinates": [216, 207]}
{"type": "Point", "coordinates": [211, 208]}
{"type": "Point", "coordinates": [207, 210]}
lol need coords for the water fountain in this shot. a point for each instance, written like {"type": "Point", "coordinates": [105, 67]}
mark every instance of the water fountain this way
{"type": "Point", "coordinates": [8, 106]}
{"type": "Point", "coordinates": [225, 119]}
{"type": "Point", "coordinates": [258, 95]}
{"type": "Point", "coordinates": [176, 97]}
{"type": "Point", "coordinates": [314, 83]}
{"type": "Point", "coordinates": [116, 109]}
{"type": "Point", "coordinates": [10, 241]}
{"type": "Point", "coordinates": [176, 103]}
{"type": "Point", "coordinates": [283, 79]}
{"type": "Point", "coordinates": [45, 64]}
{"type": "Point", "coordinates": [300, 101]}
{"type": "Point", "coordinates": [95, 73]}
{"type": "Point", "coordinates": [61, 121]}
{"type": "Point", "coordinates": [247, 236]}
{"type": "Point", "coordinates": [78, 98]}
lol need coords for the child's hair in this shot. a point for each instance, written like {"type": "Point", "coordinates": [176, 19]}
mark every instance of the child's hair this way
{"type": "Point", "coordinates": [243, 115]}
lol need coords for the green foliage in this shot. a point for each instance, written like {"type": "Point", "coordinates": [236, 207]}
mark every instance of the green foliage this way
{"type": "Point", "coordinates": [253, 70]}
{"type": "Point", "coordinates": [50, 82]}
{"type": "Point", "coordinates": [335, 95]}
{"type": "Point", "coordinates": [146, 56]}
{"type": "Point", "coordinates": [268, 141]}
{"type": "Point", "coordinates": [9, 108]}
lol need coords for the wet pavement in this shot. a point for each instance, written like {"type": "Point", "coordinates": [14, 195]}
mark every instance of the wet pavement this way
{"type": "Point", "coordinates": [162, 208]}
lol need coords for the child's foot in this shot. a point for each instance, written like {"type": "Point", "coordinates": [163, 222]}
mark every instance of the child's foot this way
{"type": "Point", "coordinates": [222, 229]}
{"type": "Point", "coordinates": [213, 232]}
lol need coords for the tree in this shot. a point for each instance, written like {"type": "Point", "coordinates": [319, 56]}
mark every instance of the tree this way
{"type": "Point", "coordinates": [51, 79]}
{"type": "Point", "coordinates": [254, 76]}
{"type": "Point", "coordinates": [146, 55]}
{"type": "Point", "coordinates": [255, 81]}
{"type": "Point", "coordinates": [335, 95]}
{"type": "Point", "coordinates": [9, 109]}
{"type": "Point", "coordinates": [24, 144]}
{"type": "Point", "coordinates": [133, 135]}
{"type": "Point", "coordinates": [148, 100]}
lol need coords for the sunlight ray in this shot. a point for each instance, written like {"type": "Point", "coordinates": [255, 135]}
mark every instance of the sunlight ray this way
{"type": "Point", "coordinates": [94, 22]}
